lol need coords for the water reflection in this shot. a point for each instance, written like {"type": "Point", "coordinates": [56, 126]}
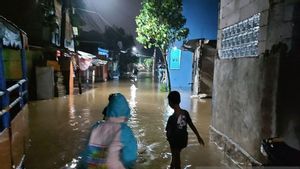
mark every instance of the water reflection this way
{"type": "Point", "coordinates": [59, 127]}
{"type": "Point", "coordinates": [132, 101]}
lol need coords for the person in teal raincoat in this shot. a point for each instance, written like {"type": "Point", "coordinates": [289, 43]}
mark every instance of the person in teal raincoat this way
{"type": "Point", "coordinates": [112, 144]}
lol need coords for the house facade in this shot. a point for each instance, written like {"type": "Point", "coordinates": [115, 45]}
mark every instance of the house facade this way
{"type": "Point", "coordinates": [42, 21]}
{"type": "Point", "coordinates": [204, 53]}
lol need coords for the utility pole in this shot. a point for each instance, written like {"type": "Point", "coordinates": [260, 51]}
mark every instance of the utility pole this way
{"type": "Point", "coordinates": [75, 34]}
{"type": "Point", "coordinates": [64, 60]}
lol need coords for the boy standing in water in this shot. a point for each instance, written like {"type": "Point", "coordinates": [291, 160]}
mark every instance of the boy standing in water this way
{"type": "Point", "coordinates": [176, 128]}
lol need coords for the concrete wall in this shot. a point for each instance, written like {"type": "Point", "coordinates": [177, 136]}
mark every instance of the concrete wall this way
{"type": "Point", "coordinates": [12, 64]}
{"type": "Point", "coordinates": [249, 93]}
{"type": "Point", "coordinates": [207, 68]}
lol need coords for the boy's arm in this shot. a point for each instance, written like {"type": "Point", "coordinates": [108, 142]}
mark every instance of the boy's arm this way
{"type": "Point", "coordinates": [189, 121]}
{"type": "Point", "coordinates": [200, 140]}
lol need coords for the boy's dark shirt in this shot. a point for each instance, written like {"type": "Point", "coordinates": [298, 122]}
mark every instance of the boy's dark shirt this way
{"type": "Point", "coordinates": [177, 133]}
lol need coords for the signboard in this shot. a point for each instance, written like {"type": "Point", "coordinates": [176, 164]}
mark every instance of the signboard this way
{"type": "Point", "coordinates": [75, 31]}
{"type": "Point", "coordinates": [175, 58]}
{"type": "Point", "coordinates": [103, 52]}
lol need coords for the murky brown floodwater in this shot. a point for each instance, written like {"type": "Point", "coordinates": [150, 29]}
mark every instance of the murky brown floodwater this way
{"type": "Point", "coordinates": [59, 127]}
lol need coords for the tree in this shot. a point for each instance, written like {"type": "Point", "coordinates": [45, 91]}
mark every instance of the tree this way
{"type": "Point", "coordinates": [159, 24]}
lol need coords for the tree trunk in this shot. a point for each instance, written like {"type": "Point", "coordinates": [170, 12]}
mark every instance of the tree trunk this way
{"type": "Point", "coordinates": [167, 68]}
{"type": "Point", "coordinates": [153, 65]}
{"type": "Point", "coordinates": [168, 73]}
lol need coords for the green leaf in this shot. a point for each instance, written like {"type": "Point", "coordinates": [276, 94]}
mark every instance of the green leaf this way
{"type": "Point", "coordinates": [162, 21]}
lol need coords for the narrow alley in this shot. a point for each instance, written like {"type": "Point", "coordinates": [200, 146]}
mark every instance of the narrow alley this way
{"type": "Point", "coordinates": [59, 127]}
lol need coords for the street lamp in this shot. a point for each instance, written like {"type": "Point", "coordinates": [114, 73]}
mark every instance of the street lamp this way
{"type": "Point", "coordinates": [134, 49]}
{"type": "Point", "coordinates": [135, 52]}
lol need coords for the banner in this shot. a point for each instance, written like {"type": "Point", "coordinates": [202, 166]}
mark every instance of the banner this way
{"type": "Point", "coordinates": [175, 57]}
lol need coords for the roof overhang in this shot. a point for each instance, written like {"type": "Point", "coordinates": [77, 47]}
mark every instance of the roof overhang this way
{"type": "Point", "coordinates": [193, 44]}
{"type": "Point", "coordinates": [85, 55]}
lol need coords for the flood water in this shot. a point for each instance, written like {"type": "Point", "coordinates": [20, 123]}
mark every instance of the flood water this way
{"type": "Point", "coordinates": [59, 127]}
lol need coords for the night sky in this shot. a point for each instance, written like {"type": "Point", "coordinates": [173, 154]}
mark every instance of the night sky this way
{"type": "Point", "coordinates": [201, 16]}
{"type": "Point", "coordinates": [120, 13]}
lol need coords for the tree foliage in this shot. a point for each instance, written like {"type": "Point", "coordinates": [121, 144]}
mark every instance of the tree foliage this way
{"type": "Point", "coordinates": [160, 23]}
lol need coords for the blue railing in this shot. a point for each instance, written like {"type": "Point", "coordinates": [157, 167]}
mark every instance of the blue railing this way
{"type": "Point", "coordinates": [13, 97]}
{"type": "Point", "coordinates": [20, 100]}
{"type": "Point", "coordinates": [7, 103]}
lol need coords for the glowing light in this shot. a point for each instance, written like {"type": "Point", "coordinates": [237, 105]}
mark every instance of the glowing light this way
{"type": "Point", "coordinates": [132, 101]}
{"type": "Point", "coordinates": [134, 49]}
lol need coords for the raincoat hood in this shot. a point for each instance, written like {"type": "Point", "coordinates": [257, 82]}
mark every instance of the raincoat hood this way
{"type": "Point", "coordinates": [118, 107]}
